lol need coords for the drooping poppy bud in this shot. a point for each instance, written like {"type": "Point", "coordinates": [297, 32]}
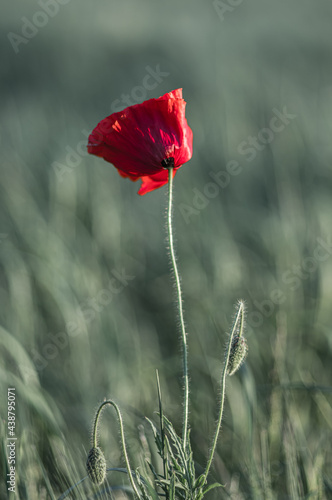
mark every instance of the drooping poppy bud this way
{"type": "Point", "coordinates": [96, 465]}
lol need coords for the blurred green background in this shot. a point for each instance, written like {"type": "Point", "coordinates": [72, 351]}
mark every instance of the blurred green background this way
{"type": "Point", "coordinates": [71, 230]}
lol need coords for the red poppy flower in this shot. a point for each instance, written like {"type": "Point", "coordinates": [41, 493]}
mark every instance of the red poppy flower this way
{"type": "Point", "coordinates": [143, 139]}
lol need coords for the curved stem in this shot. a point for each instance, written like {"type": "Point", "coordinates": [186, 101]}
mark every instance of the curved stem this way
{"type": "Point", "coordinates": [94, 440]}
{"type": "Point", "coordinates": [123, 442]}
{"type": "Point", "coordinates": [180, 308]}
{"type": "Point", "coordinates": [239, 317]}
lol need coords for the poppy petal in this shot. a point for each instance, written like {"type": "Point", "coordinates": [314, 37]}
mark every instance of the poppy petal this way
{"type": "Point", "coordinates": [151, 182]}
{"type": "Point", "coordinates": [137, 139]}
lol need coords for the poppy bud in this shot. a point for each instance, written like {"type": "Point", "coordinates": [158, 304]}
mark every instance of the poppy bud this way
{"type": "Point", "coordinates": [237, 355]}
{"type": "Point", "coordinates": [96, 466]}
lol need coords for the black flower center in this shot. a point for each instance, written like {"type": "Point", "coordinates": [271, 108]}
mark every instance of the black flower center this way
{"type": "Point", "coordinates": [168, 162]}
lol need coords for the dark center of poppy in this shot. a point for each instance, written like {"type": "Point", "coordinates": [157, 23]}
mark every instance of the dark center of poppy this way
{"type": "Point", "coordinates": [168, 162]}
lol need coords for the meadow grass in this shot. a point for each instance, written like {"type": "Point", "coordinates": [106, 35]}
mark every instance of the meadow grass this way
{"type": "Point", "coordinates": [87, 305]}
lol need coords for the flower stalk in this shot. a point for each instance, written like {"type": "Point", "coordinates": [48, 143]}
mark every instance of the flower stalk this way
{"type": "Point", "coordinates": [237, 330]}
{"type": "Point", "coordinates": [180, 306]}
{"type": "Point", "coordinates": [123, 442]}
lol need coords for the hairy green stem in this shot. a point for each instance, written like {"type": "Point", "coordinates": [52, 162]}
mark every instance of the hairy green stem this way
{"type": "Point", "coordinates": [123, 442]}
{"type": "Point", "coordinates": [180, 308]}
{"type": "Point", "coordinates": [236, 329]}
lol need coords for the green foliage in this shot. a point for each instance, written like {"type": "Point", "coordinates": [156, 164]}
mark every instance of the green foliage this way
{"type": "Point", "coordinates": [179, 480]}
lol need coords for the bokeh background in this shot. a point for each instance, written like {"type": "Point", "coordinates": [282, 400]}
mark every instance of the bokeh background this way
{"type": "Point", "coordinates": [72, 231]}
